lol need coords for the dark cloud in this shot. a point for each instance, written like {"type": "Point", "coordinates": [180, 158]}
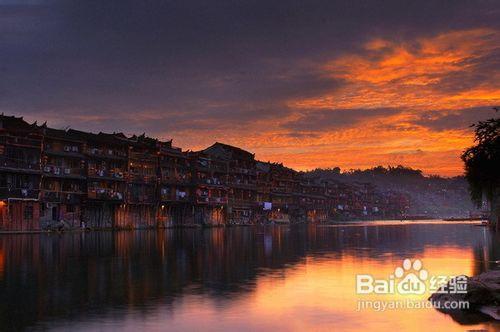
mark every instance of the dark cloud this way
{"type": "Point", "coordinates": [301, 135]}
{"type": "Point", "coordinates": [480, 70]}
{"type": "Point", "coordinates": [325, 120]}
{"type": "Point", "coordinates": [198, 64]}
{"type": "Point", "coordinates": [457, 119]}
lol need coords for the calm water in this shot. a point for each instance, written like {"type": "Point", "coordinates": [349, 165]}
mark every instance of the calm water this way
{"type": "Point", "coordinates": [275, 278]}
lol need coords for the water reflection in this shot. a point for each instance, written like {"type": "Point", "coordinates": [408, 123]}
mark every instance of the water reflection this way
{"type": "Point", "coordinates": [245, 278]}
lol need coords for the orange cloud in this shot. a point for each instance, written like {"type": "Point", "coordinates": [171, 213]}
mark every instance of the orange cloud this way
{"type": "Point", "coordinates": [392, 74]}
{"type": "Point", "coordinates": [440, 74]}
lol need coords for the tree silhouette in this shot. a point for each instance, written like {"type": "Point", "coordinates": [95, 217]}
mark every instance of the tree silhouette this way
{"type": "Point", "coordinates": [482, 164]}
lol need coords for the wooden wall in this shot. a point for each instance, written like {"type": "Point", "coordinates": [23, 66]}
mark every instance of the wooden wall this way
{"type": "Point", "coordinates": [16, 218]}
{"type": "Point", "coordinates": [210, 216]}
{"type": "Point", "coordinates": [99, 215]}
{"type": "Point", "coordinates": [135, 216]}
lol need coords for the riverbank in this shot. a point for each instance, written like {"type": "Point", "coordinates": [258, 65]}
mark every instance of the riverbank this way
{"type": "Point", "coordinates": [189, 226]}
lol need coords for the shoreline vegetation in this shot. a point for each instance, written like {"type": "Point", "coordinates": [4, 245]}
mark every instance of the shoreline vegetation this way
{"type": "Point", "coordinates": [482, 165]}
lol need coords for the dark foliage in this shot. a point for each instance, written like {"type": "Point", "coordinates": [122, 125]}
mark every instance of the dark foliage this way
{"type": "Point", "coordinates": [482, 161]}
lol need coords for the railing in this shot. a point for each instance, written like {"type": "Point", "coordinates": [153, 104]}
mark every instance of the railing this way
{"type": "Point", "coordinates": [240, 184]}
{"type": "Point", "coordinates": [63, 171]}
{"type": "Point", "coordinates": [282, 189]}
{"type": "Point", "coordinates": [211, 200]}
{"type": "Point", "coordinates": [19, 193]}
{"type": "Point", "coordinates": [63, 152]}
{"type": "Point", "coordinates": [217, 200]}
{"type": "Point", "coordinates": [242, 201]}
{"type": "Point", "coordinates": [309, 202]}
{"type": "Point", "coordinates": [141, 177]}
{"type": "Point", "coordinates": [174, 198]}
{"type": "Point", "coordinates": [108, 153]}
{"type": "Point", "coordinates": [19, 164]}
{"type": "Point", "coordinates": [22, 141]}
{"type": "Point", "coordinates": [142, 157]}
{"type": "Point", "coordinates": [175, 179]}
{"type": "Point", "coordinates": [131, 198]}
{"type": "Point", "coordinates": [115, 173]}
{"type": "Point", "coordinates": [210, 181]}
{"type": "Point", "coordinates": [104, 194]}
{"type": "Point", "coordinates": [240, 170]}
{"type": "Point", "coordinates": [218, 168]}
{"type": "Point", "coordinates": [61, 197]}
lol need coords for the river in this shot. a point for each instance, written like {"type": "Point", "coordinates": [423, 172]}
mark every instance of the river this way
{"type": "Point", "coordinates": [280, 278]}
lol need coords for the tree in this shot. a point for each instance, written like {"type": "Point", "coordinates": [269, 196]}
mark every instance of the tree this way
{"type": "Point", "coordinates": [482, 164]}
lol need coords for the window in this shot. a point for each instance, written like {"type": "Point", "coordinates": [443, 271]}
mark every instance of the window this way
{"type": "Point", "coordinates": [28, 212]}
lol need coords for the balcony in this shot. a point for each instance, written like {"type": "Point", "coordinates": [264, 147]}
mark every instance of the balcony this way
{"type": "Point", "coordinates": [65, 152]}
{"type": "Point", "coordinates": [218, 168]}
{"type": "Point", "coordinates": [217, 200]}
{"type": "Point", "coordinates": [178, 179]}
{"type": "Point", "coordinates": [210, 182]}
{"type": "Point", "coordinates": [141, 199]}
{"type": "Point", "coordinates": [242, 202]}
{"type": "Point", "coordinates": [104, 194]}
{"type": "Point", "coordinates": [141, 178]}
{"type": "Point", "coordinates": [6, 193]}
{"type": "Point", "coordinates": [282, 191]}
{"type": "Point", "coordinates": [115, 174]}
{"type": "Point", "coordinates": [107, 153]}
{"type": "Point", "coordinates": [211, 200]}
{"type": "Point", "coordinates": [243, 184]}
{"type": "Point", "coordinates": [21, 142]}
{"type": "Point", "coordinates": [61, 197]}
{"type": "Point", "coordinates": [174, 197]}
{"type": "Point", "coordinates": [19, 165]}
{"type": "Point", "coordinates": [245, 171]}
{"type": "Point", "coordinates": [61, 171]}
{"type": "Point", "coordinates": [142, 157]}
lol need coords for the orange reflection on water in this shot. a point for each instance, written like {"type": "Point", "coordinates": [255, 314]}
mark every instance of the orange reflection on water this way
{"type": "Point", "coordinates": [324, 290]}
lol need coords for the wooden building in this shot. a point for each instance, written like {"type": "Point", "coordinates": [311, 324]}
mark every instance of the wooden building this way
{"type": "Point", "coordinates": [20, 174]}
{"type": "Point", "coordinates": [263, 194]}
{"type": "Point", "coordinates": [63, 186]}
{"type": "Point", "coordinates": [210, 190]}
{"type": "Point", "coordinates": [106, 159]}
{"type": "Point", "coordinates": [175, 186]}
{"type": "Point", "coordinates": [338, 200]}
{"type": "Point", "coordinates": [285, 186]}
{"type": "Point", "coordinates": [312, 200]}
{"type": "Point", "coordinates": [241, 180]}
{"type": "Point", "coordinates": [140, 208]}
{"type": "Point", "coordinates": [278, 193]}
{"type": "Point", "coordinates": [63, 179]}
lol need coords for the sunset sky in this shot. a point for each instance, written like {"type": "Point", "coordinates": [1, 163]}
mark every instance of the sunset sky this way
{"type": "Point", "coordinates": [352, 84]}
